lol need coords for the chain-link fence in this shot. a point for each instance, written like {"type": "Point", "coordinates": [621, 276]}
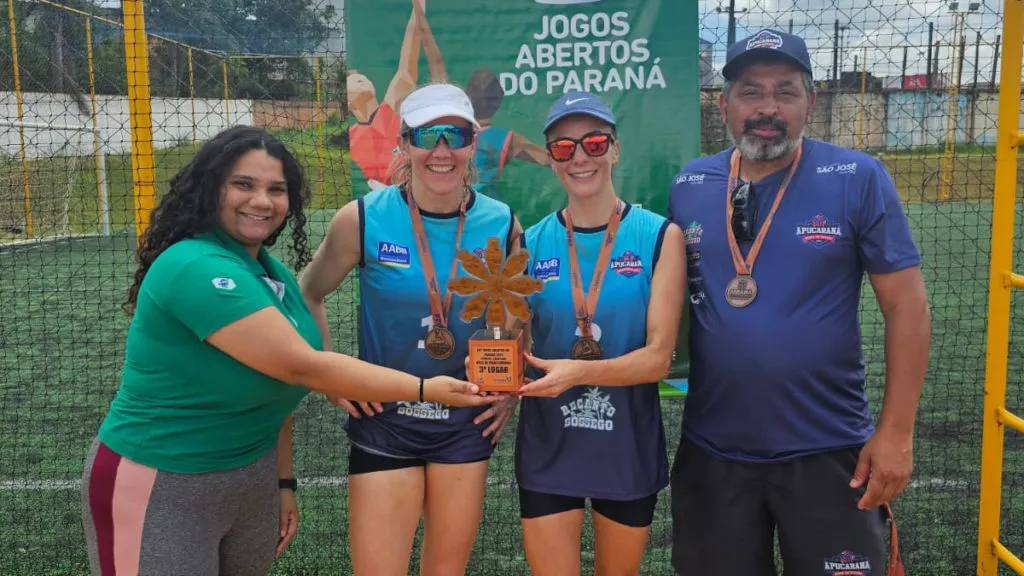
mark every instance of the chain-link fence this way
{"type": "Point", "coordinates": [907, 81]}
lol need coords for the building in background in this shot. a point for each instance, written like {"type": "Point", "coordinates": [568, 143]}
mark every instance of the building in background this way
{"type": "Point", "coordinates": [709, 78]}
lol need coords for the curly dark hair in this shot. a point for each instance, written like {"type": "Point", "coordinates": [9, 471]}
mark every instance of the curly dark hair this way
{"type": "Point", "coordinates": [191, 205]}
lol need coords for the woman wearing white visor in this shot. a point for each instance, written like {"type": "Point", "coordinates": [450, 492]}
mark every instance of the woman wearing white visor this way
{"type": "Point", "coordinates": [410, 459]}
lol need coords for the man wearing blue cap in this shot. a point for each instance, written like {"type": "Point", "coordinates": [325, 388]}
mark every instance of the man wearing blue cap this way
{"type": "Point", "coordinates": [777, 431]}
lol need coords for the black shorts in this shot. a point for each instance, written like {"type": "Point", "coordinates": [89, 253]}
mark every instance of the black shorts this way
{"type": "Point", "coordinates": [724, 516]}
{"type": "Point", "coordinates": [363, 462]}
{"type": "Point", "coordinates": [636, 513]}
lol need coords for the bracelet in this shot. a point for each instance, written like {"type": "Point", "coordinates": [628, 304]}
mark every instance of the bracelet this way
{"type": "Point", "coordinates": [421, 388]}
{"type": "Point", "coordinates": [289, 483]}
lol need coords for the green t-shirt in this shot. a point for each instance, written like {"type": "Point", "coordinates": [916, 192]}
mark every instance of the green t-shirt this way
{"type": "Point", "coordinates": [183, 405]}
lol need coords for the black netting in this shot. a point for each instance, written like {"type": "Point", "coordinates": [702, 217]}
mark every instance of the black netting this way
{"type": "Point", "coordinates": [887, 71]}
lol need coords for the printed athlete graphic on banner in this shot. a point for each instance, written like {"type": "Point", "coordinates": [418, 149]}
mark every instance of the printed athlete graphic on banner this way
{"type": "Point", "coordinates": [373, 139]}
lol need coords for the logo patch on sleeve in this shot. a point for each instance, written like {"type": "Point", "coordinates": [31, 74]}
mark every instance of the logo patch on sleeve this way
{"type": "Point", "coordinates": [694, 233]}
{"type": "Point", "coordinates": [224, 283]}
{"type": "Point", "coordinates": [627, 265]}
{"type": "Point", "coordinates": [819, 231]}
{"type": "Point", "coordinates": [546, 269]}
{"type": "Point", "coordinates": [391, 254]}
{"type": "Point", "coordinates": [847, 564]}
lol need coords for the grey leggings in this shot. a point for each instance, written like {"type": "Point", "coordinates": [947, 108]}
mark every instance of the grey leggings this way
{"type": "Point", "coordinates": [143, 522]}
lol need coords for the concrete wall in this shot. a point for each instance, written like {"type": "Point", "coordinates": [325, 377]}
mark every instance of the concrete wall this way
{"type": "Point", "coordinates": [896, 119]}
{"type": "Point", "coordinates": [172, 120]}
{"type": "Point", "coordinates": [291, 114]}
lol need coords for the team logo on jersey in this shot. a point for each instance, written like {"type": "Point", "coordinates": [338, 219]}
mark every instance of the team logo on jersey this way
{"type": "Point", "coordinates": [545, 270]}
{"type": "Point", "coordinates": [693, 233]}
{"type": "Point", "coordinates": [592, 410]}
{"type": "Point", "coordinates": [819, 231]}
{"type": "Point", "coordinates": [224, 283]}
{"type": "Point", "coordinates": [423, 410]}
{"type": "Point", "coordinates": [837, 168]}
{"type": "Point", "coordinates": [847, 564]}
{"type": "Point", "coordinates": [391, 254]}
{"type": "Point", "coordinates": [687, 178]}
{"type": "Point", "coordinates": [627, 265]}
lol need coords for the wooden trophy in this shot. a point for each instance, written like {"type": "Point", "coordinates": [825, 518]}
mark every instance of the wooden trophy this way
{"type": "Point", "coordinates": [497, 286]}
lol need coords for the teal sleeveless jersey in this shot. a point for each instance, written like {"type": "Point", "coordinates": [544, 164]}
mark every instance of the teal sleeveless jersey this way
{"type": "Point", "coordinates": [394, 317]}
{"type": "Point", "coordinates": [593, 441]}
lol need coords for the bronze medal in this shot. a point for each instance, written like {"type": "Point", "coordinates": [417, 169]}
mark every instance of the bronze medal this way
{"type": "Point", "coordinates": [439, 343]}
{"type": "Point", "coordinates": [586, 349]}
{"type": "Point", "coordinates": [741, 291]}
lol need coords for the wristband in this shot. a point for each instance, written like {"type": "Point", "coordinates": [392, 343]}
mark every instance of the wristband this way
{"type": "Point", "coordinates": [421, 388]}
{"type": "Point", "coordinates": [289, 483]}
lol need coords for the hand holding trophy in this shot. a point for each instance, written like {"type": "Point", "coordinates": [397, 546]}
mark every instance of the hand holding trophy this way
{"type": "Point", "coordinates": [497, 286]}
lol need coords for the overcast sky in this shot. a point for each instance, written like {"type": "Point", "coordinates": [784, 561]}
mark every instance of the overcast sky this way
{"type": "Point", "coordinates": [881, 27]}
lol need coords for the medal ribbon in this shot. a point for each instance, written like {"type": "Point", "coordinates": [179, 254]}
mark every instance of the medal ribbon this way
{"type": "Point", "coordinates": [746, 267]}
{"type": "Point", "coordinates": [585, 310]}
{"type": "Point", "coordinates": [439, 312]}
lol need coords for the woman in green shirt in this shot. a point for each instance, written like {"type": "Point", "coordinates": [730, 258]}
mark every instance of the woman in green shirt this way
{"type": "Point", "coordinates": [184, 476]}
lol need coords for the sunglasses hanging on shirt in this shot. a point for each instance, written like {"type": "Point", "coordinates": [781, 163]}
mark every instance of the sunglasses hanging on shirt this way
{"type": "Point", "coordinates": [744, 214]}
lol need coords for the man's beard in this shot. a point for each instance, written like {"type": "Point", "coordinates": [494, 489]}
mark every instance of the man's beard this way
{"type": "Point", "coordinates": [754, 147]}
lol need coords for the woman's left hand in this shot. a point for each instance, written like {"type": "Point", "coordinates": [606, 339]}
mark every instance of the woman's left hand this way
{"type": "Point", "coordinates": [289, 520]}
{"type": "Point", "coordinates": [559, 376]}
{"type": "Point", "coordinates": [501, 412]}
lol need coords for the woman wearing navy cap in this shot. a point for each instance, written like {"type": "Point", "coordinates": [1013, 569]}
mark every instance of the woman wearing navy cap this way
{"type": "Point", "coordinates": [603, 331]}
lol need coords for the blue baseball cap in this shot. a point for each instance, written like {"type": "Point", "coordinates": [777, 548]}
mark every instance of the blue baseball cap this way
{"type": "Point", "coordinates": [762, 43]}
{"type": "Point", "coordinates": [578, 103]}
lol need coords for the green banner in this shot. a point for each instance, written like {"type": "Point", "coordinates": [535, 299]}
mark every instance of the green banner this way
{"type": "Point", "coordinates": [514, 58]}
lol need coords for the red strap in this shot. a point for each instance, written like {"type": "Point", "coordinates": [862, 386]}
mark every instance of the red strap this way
{"type": "Point", "coordinates": [895, 560]}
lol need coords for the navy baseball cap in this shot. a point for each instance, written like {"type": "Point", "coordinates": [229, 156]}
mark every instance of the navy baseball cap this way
{"type": "Point", "coordinates": [766, 42]}
{"type": "Point", "coordinates": [578, 103]}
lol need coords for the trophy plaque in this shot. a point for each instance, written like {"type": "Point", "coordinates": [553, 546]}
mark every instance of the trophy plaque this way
{"type": "Point", "coordinates": [496, 286]}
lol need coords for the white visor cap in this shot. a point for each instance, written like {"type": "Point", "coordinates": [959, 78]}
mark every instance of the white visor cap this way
{"type": "Point", "coordinates": [436, 101]}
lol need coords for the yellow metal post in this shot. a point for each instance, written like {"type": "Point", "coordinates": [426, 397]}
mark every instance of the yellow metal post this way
{"type": "Point", "coordinates": [863, 97]}
{"type": "Point", "coordinates": [140, 117]}
{"type": "Point", "coordinates": [320, 127]}
{"type": "Point", "coordinates": [21, 118]}
{"type": "Point", "coordinates": [998, 336]}
{"type": "Point", "coordinates": [192, 97]}
{"type": "Point", "coordinates": [227, 113]}
{"type": "Point", "coordinates": [97, 150]}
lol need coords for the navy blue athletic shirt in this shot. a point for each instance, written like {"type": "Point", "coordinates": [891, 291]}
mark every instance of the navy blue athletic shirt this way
{"type": "Point", "coordinates": [593, 441]}
{"type": "Point", "coordinates": [394, 317]}
{"type": "Point", "coordinates": [784, 377]}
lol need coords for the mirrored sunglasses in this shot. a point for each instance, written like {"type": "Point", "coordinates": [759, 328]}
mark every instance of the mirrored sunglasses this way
{"type": "Point", "coordinates": [428, 137]}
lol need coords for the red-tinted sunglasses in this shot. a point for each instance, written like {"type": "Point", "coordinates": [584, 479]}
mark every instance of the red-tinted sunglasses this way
{"type": "Point", "coordinates": [595, 144]}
